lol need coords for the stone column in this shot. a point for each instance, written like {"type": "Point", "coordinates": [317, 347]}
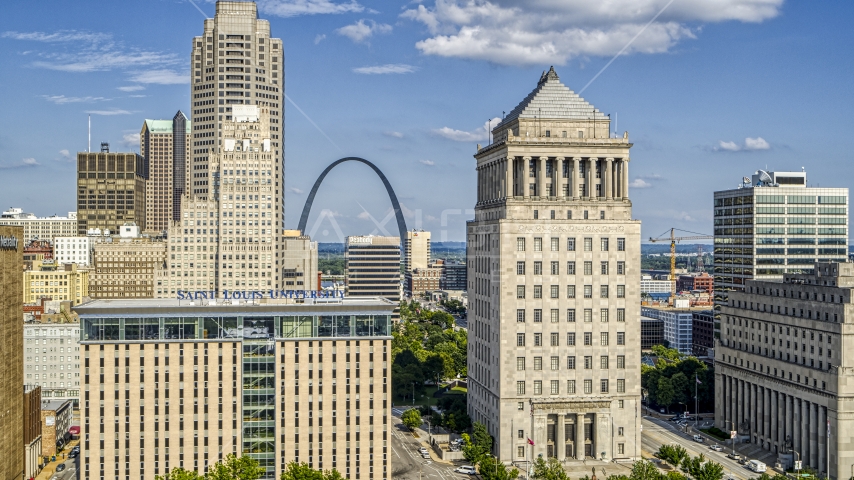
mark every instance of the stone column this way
{"type": "Point", "coordinates": [576, 161]}
{"type": "Point", "coordinates": [805, 439]}
{"type": "Point", "coordinates": [625, 179]}
{"type": "Point", "coordinates": [796, 425]}
{"type": "Point", "coordinates": [609, 178]}
{"type": "Point", "coordinates": [789, 421]}
{"type": "Point", "coordinates": [821, 426]}
{"type": "Point", "coordinates": [813, 436]}
{"type": "Point", "coordinates": [775, 419]}
{"type": "Point", "coordinates": [560, 433]}
{"type": "Point", "coordinates": [754, 412]}
{"type": "Point", "coordinates": [542, 189]}
{"type": "Point", "coordinates": [739, 406]}
{"type": "Point", "coordinates": [526, 179]}
{"type": "Point", "coordinates": [559, 180]}
{"type": "Point", "coordinates": [591, 177]}
{"type": "Point", "coordinates": [579, 436]}
{"type": "Point", "coordinates": [539, 435]}
{"type": "Point", "coordinates": [508, 177]}
{"type": "Point", "coordinates": [760, 412]}
{"type": "Point", "coordinates": [766, 418]}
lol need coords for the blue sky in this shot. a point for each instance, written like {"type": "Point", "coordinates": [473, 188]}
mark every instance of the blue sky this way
{"type": "Point", "coordinates": [711, 91]}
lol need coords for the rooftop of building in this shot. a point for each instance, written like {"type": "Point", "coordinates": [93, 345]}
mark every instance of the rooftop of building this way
{"type": "Point", "coordinates": [163, 126]}
{"type": "Point", "coordinates": [236, 306]}
{"type": "Point", "coordinates": [19, 214]}
{"type": "Point", "coordinates": [55, 405]}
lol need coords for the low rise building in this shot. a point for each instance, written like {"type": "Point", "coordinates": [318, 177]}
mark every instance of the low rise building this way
{"type": "Point", "coordinates": [127, 267]}
{"type": "Point", "coordinates": [299, 262]}
{"type": "Point", "coordinates": [677, 320]}
{"type": "Point", "coordinates": [40, 251]}
{"type": "Point", "coordinates": [694, 282]}
{"type": "Point", "coordinates": [423, 280]}
{"type": "Point", "coordinates": [40, 228]}
{"type": "Point", "coordinates": [49, 280]}
{"type": "Point", "coordinates": [649, 285]}
{"type": "Point", "coordinates": [32, 430]}
{"type": "Point", "coordinates": [703, 333]}
{"type": "Point", "coordinates": [57, 416]}
{"type": "Point", "coordinates": [52, 357]}
{"type": "Point", "coordinates": [79, 249]}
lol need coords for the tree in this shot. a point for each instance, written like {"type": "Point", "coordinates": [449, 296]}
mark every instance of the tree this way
{"type": "Point", "coordinates": [235, 468]}
{"type": "Point", "coordinates": [434, 368]}
{"type": "Point", "coordinates": [644, 470]}
{"type": "Point", "coordinates": [493, 469]}
{"type": "Point", "coordinates": [700, 469]}
{"type": "Point", "coordinates": [179, 474]}
{"type": "Point", "coordinates": [673, 455]}
{"type": "Point", "coordinates": [664, 393]}
{"type": "Point", "coordinates": [681, 394]}
{"type": "Point", "coordinates": [477, 445]}
{"type": "Point", "coordinates": [550, 469]}
{"type": "Point", "coordinates": [411, 418]}
{"type": "Point", "coordinates": [302, 471]}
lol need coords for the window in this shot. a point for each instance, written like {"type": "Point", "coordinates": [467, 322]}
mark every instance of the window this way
{"type": "Point", "coordinates": [588, 314]}
{"type": "Point", "coordinates": [553, 291]}
{"type": "Point", "coordinates": [520, 315]}
{"type": "Point", "coordinates": [588, 244]}
{"type": "Point", "coordinates": [538, 315]}
{"type": "Point", "coordinates": [555, 242]}
{"type": "Point", "coordinates": [538, 291]}
{"type": "Point", "coordinates": [588, 268]}
{"type": "Point", "coordinates": [570, 339]}
{"type": "Point", "coordinates": [621, 447]}
{"type": "Point", "coordinates": [538, 244]}
{"type": "Point", "coordinates": [603, 362]}
{"type": "Point", "coordinates": [570, 362]}
{"type": "Point", "coordinates": [520, 405]}
{"type": "Point", "coordinates": [520, 291]}
{"type": "Point", "coordinates": [554, 315]}
{"type": "Point", "coordinates": [570, 268]}
{"type": "Point", "coordinates": [588, 362]}
{"type": "Point", "coordinates": [568, 212]}
{"type": "Point", "coordinates": [570, 242]}
{"type": "Point", "coordinates": [538, 387]}
{"type": "Point", "coordinates": [621, 268]}
{"type": "Point", "coordinates": [603, 242]}
{"type": "Point", "coordinates": [520, 434]}
{"type": "Point", "coordinates": [570, 315]}
{"type": "Point", "coordinates": [554, 390]}
{"type": "Point", "coordinates": [588, 386]}
{"type": "Point", "coordinates": [552, 212]}
{"type": "Point", "coordinates": [621, 244]}
{"type": "Point", "coordinates": [538, 339]}
{"type": "Point", "coordinates": [555, 268]}
{"type": "Point", "coordinates": [520, 388]}
{"type": "Point", "coordinates": [570, 291]}
{"type": "Point", "coordinates": [603, 268]}
{"type": "Point", "coordinates": [621, 338]}
{"type": "Point", "coordinates": [520, 244]}
{"type": "Point", "coordinates": [570, 386]}
{"type": "Point", "coordinates": [621, 362]}
{"type": "Point", "coordinates": [520, 363]}
{"type": "Point", "coordinates": [621, 385]}
{"type": "Point", "coordinates": [520, 268]}
{"type": "Point", "coordinates": [536, 214]}
{"type": "Point", "coordinates": [621, 404]}
{"type": "Point", "coordinates": [520, 451]}
{"type": "Point", "coordinates": [603, 338]}
{"type": "Point", "coordinates": [621, 291]}
{"type": "Point", "coordinates": [603, 315]}
{"type": "Point", "coordinates": [538, 268]}
{"type": "Point", "coordinates": [603, 291]}
{"type": "Point", "coordinates": [621, 314]}
{"type": "Point", "coordinates": [520, 339]}
{"type": "Point", "coordinates": [555, 361]}
{"type": "Point", "coordinates": [603, 385]}
{"type": "Point", "coordinates": [588, 291]}
{"type": "Point", "coordinates": [555, 341]}
{"type": "Point", "coordinates": [538, 363]}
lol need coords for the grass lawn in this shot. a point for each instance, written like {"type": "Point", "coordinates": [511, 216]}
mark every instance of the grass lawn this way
{"type": "Point", "coordinates": [710, 432]}
{"type": "Point", "coordinates": [458, 391]}
{"type": "Point", "coordinates": [426, 399]}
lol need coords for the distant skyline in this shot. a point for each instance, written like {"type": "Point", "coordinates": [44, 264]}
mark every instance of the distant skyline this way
{"type": "Point", "coordinates": [709, 92]}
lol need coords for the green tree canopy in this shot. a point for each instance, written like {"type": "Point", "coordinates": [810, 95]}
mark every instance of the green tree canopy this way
{"type": "Point", "coordinates": [302, 471]}
{"type": "Point", "coordinates": [477, 445]}
{"type": "Point", "coordinates": [493, 469]}
{"type": "Point", "coordinates": [698, 468]}
{"type": "Point", "coordinates": [550, 469]}
{"type": "Point", "coordinates": [411, 418]}
{"type": "Point", "coordinates": [231, 468]}
{"type": "Point", "coordinates": [672, 454]}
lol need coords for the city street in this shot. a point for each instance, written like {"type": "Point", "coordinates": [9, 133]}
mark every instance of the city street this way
{"type": "Point", "coordinates": [658, 432]}
{"type": "Point", "coordinates": [407, 464]}
{"type": "Point", "coordinates": [70, 472]}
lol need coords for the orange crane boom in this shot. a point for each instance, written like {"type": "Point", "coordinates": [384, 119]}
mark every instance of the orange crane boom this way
{"type": "Point", "coordinates": [673, 239]}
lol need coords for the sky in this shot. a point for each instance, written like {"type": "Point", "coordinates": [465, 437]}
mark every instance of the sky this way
{"type": "Point", "coordinates": [708, 90]}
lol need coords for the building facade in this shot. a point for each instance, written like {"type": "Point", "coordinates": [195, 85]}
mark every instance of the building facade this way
{"type": "Point", "coordinates": [63, 282]}
{"type": "Point", "coordinates": [299, 262]}
{"type": "Point", "coordinates": [775, 225]}
{"type": "Point", "coordinates": [695, 282]}
{"type": "Point", "coordinates": [278, 381]}
{"type": "Point", "coordinates": [79, 250]}
{"type": "Point", "coordinates": [552, 256]}
{"type": "Point", "coordinates": [110, 190]}
{"type": "Point", "coordinates": [703, 333]}
{"type": "Point", "coordinates": [372, 267]}
{"type": "Point", "coordinates": [40, 228]}
{"type": "Point", "coordinates": [37, 251]}
{"type": "Point", "coordinates": [678, 328]}
{"type": "Point", "coordinates": [164, 143]}
{"type": "Point", "coordinates": [453, 275]}
{"type": "Point", "coordinates": [650, 285]}
{"type": "Point", "coordinates": [423, 280]}
{"type": "Point", "coordinates": [652, 332]}
{"type": "Point", "coordinates": [782, 376]}
{"type": "Point", "coordinates": [11, 350]}
{"type": "Point", "coordinates": [57, 416]}
{"type": "Point", "coordinates": [32, 423]}
{"type": "Point", "coordinates": [51, 355]}
{"type": "Point", "coordinates": [127, 268]}
{"type": "Point", "coordinates": [417, 250]}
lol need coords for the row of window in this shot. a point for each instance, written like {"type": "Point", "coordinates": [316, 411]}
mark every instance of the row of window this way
{"type": "Point", "coordinates": [554, 386]}
{"type": "Point", "coordinates": [604, 268]}
{"type": "Point", "coordinates": [554, 339]}
{"type": "Point", "coordinates": [554, 291]}
{"type": "Point", "coordinates": [604, 244]}
{"type": "Point", "coordinates": [604, 362]}
{"type": "Point", "coordinates": [554, 315]}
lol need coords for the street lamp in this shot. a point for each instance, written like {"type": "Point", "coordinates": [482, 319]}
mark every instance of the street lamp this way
{"type": "Point", "coordinates": [429, 435]}
{"type": "Point", "coordinates": [731, 438]}
{"type": "Point", "coordinates": [798, 464]}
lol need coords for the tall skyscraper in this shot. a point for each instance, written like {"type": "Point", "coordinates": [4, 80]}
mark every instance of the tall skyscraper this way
{"type": "Point", "coordinates": [553, 259]}
{"type": "Point", "coordinates": [417, 250]}
{"type": "Point", "coordinates": [110, 190]}
{"type": "Point", "coordinates": [773, 225]}
{"type": "Point", "coordinates": [372, 267]}
{"type": "Point", "coordinates": [12, 352]}
{"type": "Point", "coordinates": [163, 143]}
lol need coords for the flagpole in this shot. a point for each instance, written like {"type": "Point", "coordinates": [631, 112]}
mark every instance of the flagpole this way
{"type": "Point", "coordinates": [696, 401]}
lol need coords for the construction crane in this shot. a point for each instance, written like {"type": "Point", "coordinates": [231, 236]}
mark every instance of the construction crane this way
{"type": "Point", "coordinates": [673, 239]}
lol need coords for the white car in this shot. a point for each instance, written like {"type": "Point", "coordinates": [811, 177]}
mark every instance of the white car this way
{"type": "Point", "coordinates": [422, 450]}
{"type": "Point", "coordinates": [698, 439]}
{"type": "Point", "coordinates": [716, 447]}
{"type": "Point", "coordinates": [466, 469]}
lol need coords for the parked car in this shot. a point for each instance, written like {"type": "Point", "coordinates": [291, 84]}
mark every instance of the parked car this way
{"type": "Point", "coordinates": [734, 456]}
{"type": "Point", "coordinates": [716, 447]}
{"type": "Point", "coordinates": [756, 466]}
{"type": "Point", "coordinates": [466, 469]}
{"type": "Point", "coordinates": [60, 467]}
{"type": "Point", "coordinates": [675, 419]}
{"type": "Point", "coordinates": [698, 439]}
{"type": "Point", "coordinates": [422, 450]}
{"type": "Point", "coordinates": [425, 455]}
{"type": "Point", "coordinates": [73, 454]}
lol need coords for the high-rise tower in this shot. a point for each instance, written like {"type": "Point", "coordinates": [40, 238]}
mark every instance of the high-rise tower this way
{"type": "Point", "coordinates": [553, 262]}
{"type": "Point", "coordinates": [163, 143]}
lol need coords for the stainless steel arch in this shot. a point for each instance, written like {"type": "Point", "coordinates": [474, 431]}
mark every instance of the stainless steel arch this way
{"type": "Point", "coordinates": [398, 213]}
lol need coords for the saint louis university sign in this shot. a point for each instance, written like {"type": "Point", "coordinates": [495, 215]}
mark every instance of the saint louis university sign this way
{"type": "Point", "coordinates": [258, 294]}
{"type": "Point", "coordinates": [8, 243]}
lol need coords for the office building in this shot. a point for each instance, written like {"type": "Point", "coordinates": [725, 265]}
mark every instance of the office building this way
{"type": "Point", "coordinates": [649, 285]}
{"type": "Point", "coordinates": [57, 416]}
{"type": "Point", "coordinates": [299, 262]}
{"type": "Point", "coordinates": [702, 282]}
{"type": "Point", "coordinates": [774, 225]}
{"type": "Point", "coordinates": [110, 190]}
{"type": "Point", "coordinates": [703, 333]}
{"type": "Point", "coordinates": [127, 267]}
{"type": "Point", "coordinates": [11, 350]}
{"type": "Point", "coordinates": [417, 250]}
{"type": "Point", "coordinates": [782, 372]}
{"type": "Point", "coordinates": [37, 251]}
{"type": "Point", "coordinates": [453, 275]}
{"type": "Point", "coordinates": [652, 332]}
{"type": "Point", "coordinates": [40, 228]}
{"type": "Point", "coordinates": [32, 427]}
{"type": "Point", "coordinates": [52, 356]}
{"type": "Point", "coordinates": [56, 282]}
{"type": "Point", "coordinates": [423, 280]}
{"type": "Point", "coordinates": [163, 144]}
{"type": "Point", "coordinates": [209, 385]}
{"type": "Point", "coordinates": [78, 249]}
{"type": "Point", "coordinates": [554, 302]}
{"type": "Point", "coordinates": [372, 267]}
{"type": "Point", "coordinates": [678, 324]}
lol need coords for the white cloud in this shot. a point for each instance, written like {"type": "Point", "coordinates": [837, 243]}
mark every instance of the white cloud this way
{"type": "Point", "coordinates": [62, 99]}
{"type": "Point", "coordinates": [364, 216]}
{"type": "Point", "coordinates": [525, 32]}
{"type": "Point", "coordinates": [131, 88]}
{"type": "Point", "coordinates": [59, 36]}
{"type": "Point", "coordinates": [684, 217]}
{"type": "Point", "coordinates": [750, 144]}
{"type": "Point", "coordinates": [65, 153]}
{"type": "Point", "coordinates": [131, 139]}
{"type": "Point", "coordinates": [24, 163]}
{"type": "Point", "coordinates": [292, 8]}
{"type": "Point", "coordinates": [319, 38]}
{"type": "Point", "coordinates": [475, 135]}
{"type": "Point", "coordinates": [728, 146]}
{"type": "Point", "coordinates": [429, 163]}
{"type": "Point", "coordinates": [296, 190]}
{"type": "Point", "coordinates": [363, 30]}
{"type": "Point", "coordinates": [640, 183]}
{"type": "Point", "coordinates": [393, 134]}
{"type": "Point", "coordinates": [389, 68]}
{"type": "Point", "coordinates": [30, 161]}
{"type": "Point", "coordinates": [161, 76]}
{"type": "Point", "coordinates": [757, 143]}
{"type": "Point", "coordinates": [114, 111]}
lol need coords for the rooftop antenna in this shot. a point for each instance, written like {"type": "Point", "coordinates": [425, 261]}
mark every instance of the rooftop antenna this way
{"type": "Point", "coordinates": [489, 130]}
{"type": "Point", "coordinates": [89, 145]}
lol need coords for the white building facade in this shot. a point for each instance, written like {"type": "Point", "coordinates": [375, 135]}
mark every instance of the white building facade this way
{"type": "Point", "coordinates": [678, 332]}
{"type": "Point", "coordinates": [40, 228]}
{"type": "Point", "coordinates": [52, 359]}
{"type": "Point", "coordinates": [648, 285]}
